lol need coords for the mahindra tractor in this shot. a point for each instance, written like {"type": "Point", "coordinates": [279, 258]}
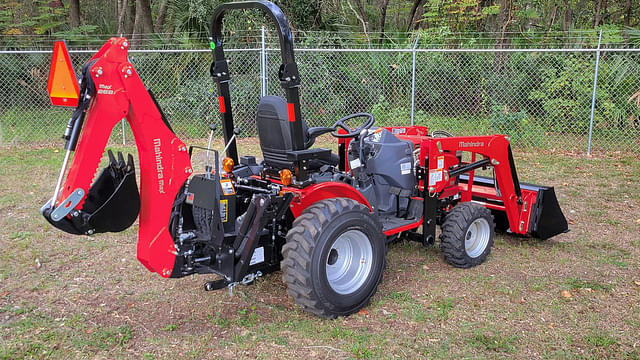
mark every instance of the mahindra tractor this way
{"type": "Point", "coordinates": [324, 219]}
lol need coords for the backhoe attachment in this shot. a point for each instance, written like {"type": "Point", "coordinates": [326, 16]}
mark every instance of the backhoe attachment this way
{"type": "Point", "coordinates": [110, 90]}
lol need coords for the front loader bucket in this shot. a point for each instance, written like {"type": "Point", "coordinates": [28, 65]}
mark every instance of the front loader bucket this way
{"type": "Point", "coordinates": [545, 216]}
{"type": "Point", "coordinates": [111, 205]}
{"type": "Point", "coordinates": [547, 219]}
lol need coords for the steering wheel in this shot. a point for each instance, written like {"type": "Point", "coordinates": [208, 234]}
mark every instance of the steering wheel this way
{"type": "Point", "coordinates": [352, 132]}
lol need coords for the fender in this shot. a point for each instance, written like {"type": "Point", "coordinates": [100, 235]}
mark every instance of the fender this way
{"type": "Point", "coordinates": [303, 198]}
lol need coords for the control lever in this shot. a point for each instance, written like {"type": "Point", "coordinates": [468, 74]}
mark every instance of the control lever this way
{"type": "Point", "coordinates": [207, 166]}
{"type": "Point", "coordinates": [236, 131]}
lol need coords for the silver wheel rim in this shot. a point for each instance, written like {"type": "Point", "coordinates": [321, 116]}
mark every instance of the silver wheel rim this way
{"type": "Point", "coordinates": [477, 237]}
{"type": "Point", "coordinates": [349, 262]}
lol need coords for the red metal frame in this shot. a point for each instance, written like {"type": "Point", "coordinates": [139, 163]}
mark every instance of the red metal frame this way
{"type": "Point", "coordinates": [442, 154]}
{"type": "Point", "coordinates": [163, 159]}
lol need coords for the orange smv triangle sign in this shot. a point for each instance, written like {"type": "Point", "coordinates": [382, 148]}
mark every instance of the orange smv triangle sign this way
{"type": "Point", "coordinates": [63, 86]}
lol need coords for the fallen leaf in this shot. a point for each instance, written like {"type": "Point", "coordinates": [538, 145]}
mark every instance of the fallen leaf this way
{"type": "Point", "coordinates": [56, 150]}
{"type": "Point", "coordinates": [425, 267]}
{"type": "Point", "coordinates": [89, 331]}
{"type": "Point", "coordinates": [565, 184]}
{"type": "Point", "coordinates": [571, 222]}
{"type": "Point", "coordinates": [363, 312]}
{"type": "Point", "coordinates": [565, 294]}
{"type": "Point", "coordinates": [638, 221]}
{"type": "Point", "coordinates": [637, 282]}
{"type": "Point", "coordinates": [522, 301]}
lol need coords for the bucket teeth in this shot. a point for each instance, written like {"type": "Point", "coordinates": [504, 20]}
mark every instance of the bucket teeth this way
{"type": "Point", "coordinates": [130, 166]}
{"type": "Point", "coordinates": [117, 165]}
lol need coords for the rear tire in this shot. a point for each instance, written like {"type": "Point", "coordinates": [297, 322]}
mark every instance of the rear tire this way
{"type": "Point", "coordinates": [334, 258]}
{"type": "Point", "coordinates": [467, 235]}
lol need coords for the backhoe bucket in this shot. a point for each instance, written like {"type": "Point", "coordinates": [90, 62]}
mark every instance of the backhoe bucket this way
{"type": "Point", "coordinates": [111, 205]}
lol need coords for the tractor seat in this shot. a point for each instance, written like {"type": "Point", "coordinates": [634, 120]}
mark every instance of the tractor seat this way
{"type": "Point", "coordinates": [275, 136]}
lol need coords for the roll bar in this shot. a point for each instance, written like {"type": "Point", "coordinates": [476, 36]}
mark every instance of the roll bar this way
{"type": "Point", "coordinates": [288, 73]}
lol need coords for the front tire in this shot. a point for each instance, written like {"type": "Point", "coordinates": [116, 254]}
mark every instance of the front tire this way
{"type": "Point", "coordinates": [334, 258]}
{"type": "Point", "coordinates": [467, 235]}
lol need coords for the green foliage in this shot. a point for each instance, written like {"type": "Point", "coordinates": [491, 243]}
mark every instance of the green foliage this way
{"type": "Point", "coordinates": [493, 340]}
{"type": "Point", "coordinates": [600, 339]}
{"type": "Point", "coordinates": [518, 125]}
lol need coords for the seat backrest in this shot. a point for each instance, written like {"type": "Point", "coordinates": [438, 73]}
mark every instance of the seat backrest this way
{"type": "Point", "coordinates": [274, 131]}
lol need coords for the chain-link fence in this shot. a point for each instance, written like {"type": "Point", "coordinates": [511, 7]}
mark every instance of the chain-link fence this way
{"type": "Point", "coordinates": [540, 97]}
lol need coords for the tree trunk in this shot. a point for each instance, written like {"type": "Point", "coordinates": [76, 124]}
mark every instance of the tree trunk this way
{"type": "Point", "coordinates": [412, 14]}
{"type": "Point", "coordinates": [123, 7]}
{"type": "Point", "coordinates": [505, 18]}
{"type": "Point", "coordinates": [601, 9]}
{"type": "Point", "coordinates": [627, 13]}
{"type": "Point", "coordinates": [143, 23]}
{"type": "Point", "coordinates": [554, 13]}
{"type": "Point", "coordinates": [383, 19]}
{"type": "Point", "coordinates": [129, 18]}
{"type": "Point", "coordinates": [362, 20]}
{"type": "Point", "coordinates": [162, 14]}
{"type": "Point", "coordinates": [567, 17]}
{"type": "Point", "coordinates": [74, 13]}
{"type": "Point", "coordinates": [363, 13]}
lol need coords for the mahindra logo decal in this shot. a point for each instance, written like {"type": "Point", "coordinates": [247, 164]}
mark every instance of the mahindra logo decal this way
{"type": "Point", "coordinates": [471, 144]}
{"type": "Point", "coordinates": [159, 168]}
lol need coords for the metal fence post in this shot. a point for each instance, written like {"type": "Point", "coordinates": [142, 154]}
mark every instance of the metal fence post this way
{"type": "Point", "coordinates": [263, 64]}
{"type": "Point", "coordinates": [124, 141]}
{"type": "Point", "coordinates": [593, 97]}
{"type": "Point", "coordinates": [413, 77]}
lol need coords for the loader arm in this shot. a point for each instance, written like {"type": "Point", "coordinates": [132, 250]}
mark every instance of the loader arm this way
{"type": "Point", "coordinates": [164, 161]}
{"type": "Point", "coordinates": [528, 209]}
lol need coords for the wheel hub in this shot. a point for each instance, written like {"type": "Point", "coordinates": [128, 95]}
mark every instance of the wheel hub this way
{"type": "Point", "coordinates": [477, 237]}
{"type": "Point", "coordinates": [349, 262]}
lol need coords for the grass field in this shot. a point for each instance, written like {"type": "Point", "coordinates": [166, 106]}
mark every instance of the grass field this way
{"type": "Point", "coordinates": [576, 296]}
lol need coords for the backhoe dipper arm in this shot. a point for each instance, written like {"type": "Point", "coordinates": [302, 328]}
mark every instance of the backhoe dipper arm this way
{"type": "Point", "coordinates": [164, 160]}
{"type": "Point", "coordinates": [288, 73]}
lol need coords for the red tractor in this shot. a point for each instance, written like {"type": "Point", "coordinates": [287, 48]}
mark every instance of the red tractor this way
{"type": "Point", "coordinates": [324, 219]}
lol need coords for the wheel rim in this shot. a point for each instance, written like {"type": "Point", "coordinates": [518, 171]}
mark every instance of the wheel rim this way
{"type": "Point", "coordinates": [477, 237]}
{"type": "Point", "coordinates": [349, 262]}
